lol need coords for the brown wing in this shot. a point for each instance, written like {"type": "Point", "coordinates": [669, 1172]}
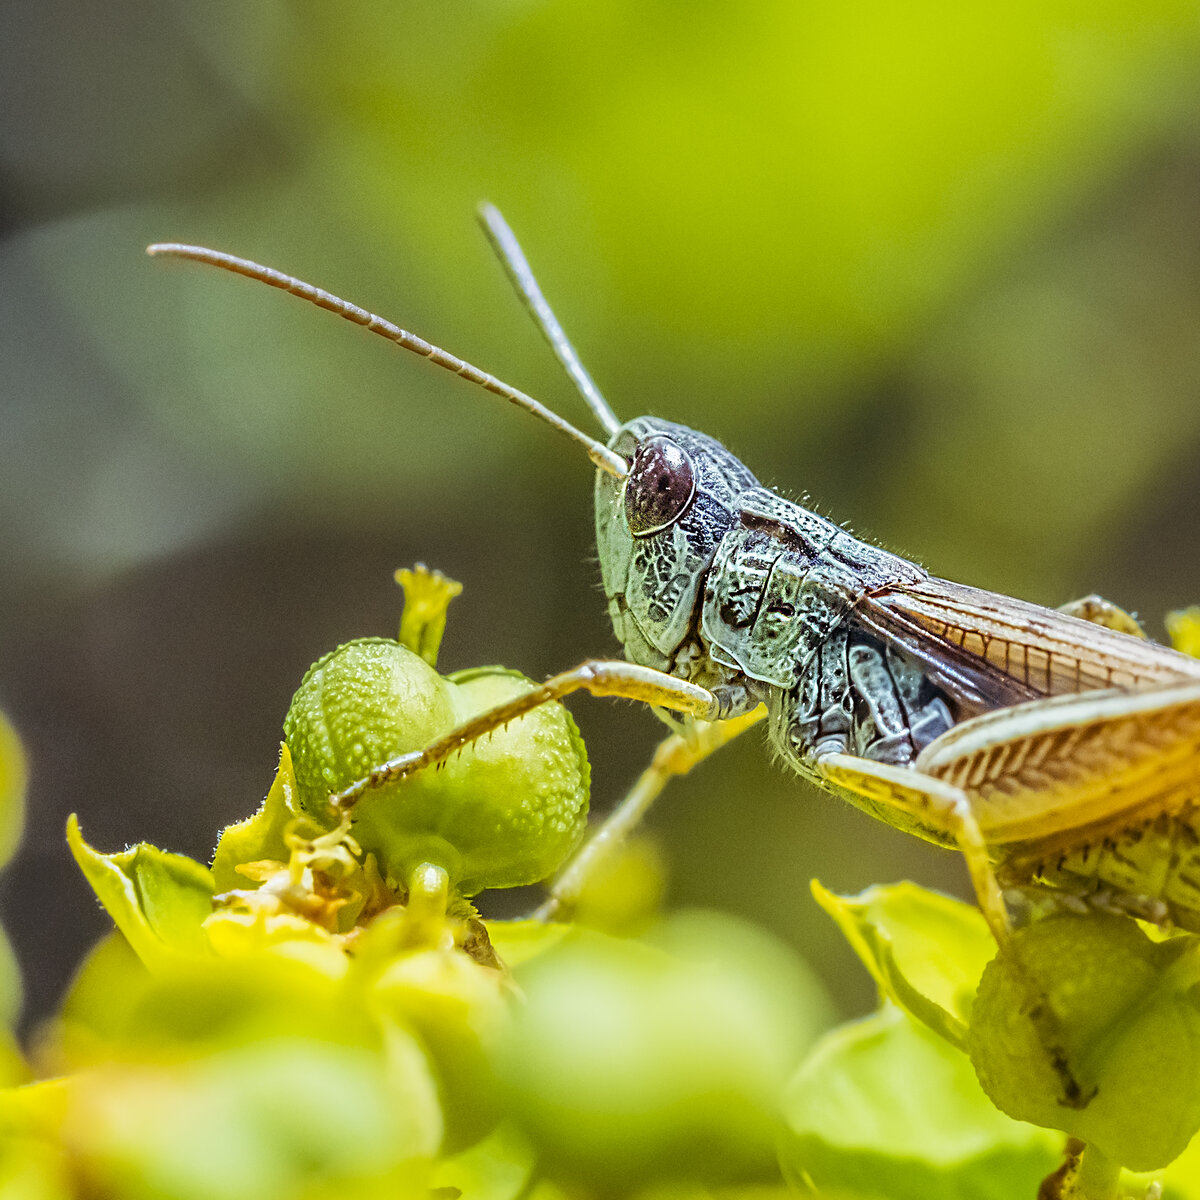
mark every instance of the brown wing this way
{"type": "Point", "coordinates": [1074, 764]}
{"type": "Point", "coordinates": [990, 651]}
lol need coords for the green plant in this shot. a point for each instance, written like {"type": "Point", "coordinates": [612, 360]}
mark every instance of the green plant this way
{"type": "Point", "coordinates": [323, 1011]}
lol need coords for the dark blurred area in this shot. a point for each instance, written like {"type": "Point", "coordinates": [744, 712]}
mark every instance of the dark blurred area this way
{"type": "Point", "coordinates": [937, 269]}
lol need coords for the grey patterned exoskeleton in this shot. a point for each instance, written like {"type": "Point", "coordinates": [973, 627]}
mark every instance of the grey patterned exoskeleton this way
{"type": "Point", "coordinates": [1055, 751]}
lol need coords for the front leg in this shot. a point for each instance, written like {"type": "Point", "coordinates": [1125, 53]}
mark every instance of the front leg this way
{"type": "Point", "coordinates": [599, 677]}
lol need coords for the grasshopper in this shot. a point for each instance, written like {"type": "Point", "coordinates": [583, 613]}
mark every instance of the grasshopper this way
{"type": "Point", "coordinates": [1057, 749]}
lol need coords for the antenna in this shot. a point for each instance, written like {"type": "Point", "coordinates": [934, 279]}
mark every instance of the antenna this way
{"type": "Point", "coordinates": [600, 454]}
{"type": "Point", "coordinates": [516, 266]}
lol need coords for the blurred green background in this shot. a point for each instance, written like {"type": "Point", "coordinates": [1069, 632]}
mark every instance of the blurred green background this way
{"type": "Point", "coordinates": [935, 265]}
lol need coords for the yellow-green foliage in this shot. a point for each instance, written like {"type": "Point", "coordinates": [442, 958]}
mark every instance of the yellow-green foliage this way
{"type": "Point", "coordinates": [320, 1014]}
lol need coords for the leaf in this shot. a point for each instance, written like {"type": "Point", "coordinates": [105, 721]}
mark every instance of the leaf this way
{"type": "Point", "coordinates": [35, 1109]}
{"type": "Point", "coordinates": [158, 900]}
{"type": "Point", "coordinates": [260, 836]}
{"type": "Point", "coordinates": [497, 1168]}
{"type": "Point", "coordinates": [926, 951]}
{"type": "Point", "coordinates": [1181, 1180]}
{"type": "Point", "coordinates": [884, 1110]}
{"type": "Point", "coordinates": [33, 1165]}
{"type": "Point", "coordinates": [104, 993]}
{"type": "Point", "coordinates": [519, 941]}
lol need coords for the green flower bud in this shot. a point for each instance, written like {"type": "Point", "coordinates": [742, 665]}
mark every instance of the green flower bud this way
{"type": "Point", "coordinates": [358, 706]}
{"type": "Point", "coordinates": [504, 811]}
{"type": "Point", "coordinates": [1124, 1013]}
{"type": "Point", "coordinates": [628, 1064]}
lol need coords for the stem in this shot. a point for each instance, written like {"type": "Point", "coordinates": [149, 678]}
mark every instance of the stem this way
{"type": "Point", "coordinates": [428, 893]}
{"type": "Point", "coordinates": [1098, 1177]}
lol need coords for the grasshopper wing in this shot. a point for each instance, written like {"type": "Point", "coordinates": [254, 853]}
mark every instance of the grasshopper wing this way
{"type": "Point", "coordinates": [1071, 764]}
{"type": "Point", "coordinates": [990, 651]}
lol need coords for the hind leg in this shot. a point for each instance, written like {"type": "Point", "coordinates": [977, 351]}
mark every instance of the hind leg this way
{"type": "Point", "coordinates": [946, 807]}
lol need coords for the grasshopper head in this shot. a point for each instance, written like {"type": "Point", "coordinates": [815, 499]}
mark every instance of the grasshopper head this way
{"type": "Point", "coordinates": [665, 495]}
{"type": "Point", "coordinates": [657, 530]}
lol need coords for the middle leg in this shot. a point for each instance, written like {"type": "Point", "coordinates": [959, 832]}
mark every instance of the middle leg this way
{"type": "Point", "coordinates": [675, 755]}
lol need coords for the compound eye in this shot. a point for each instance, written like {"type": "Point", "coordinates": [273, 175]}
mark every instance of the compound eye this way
{"type": "Point", "coordinates": [660, 486]}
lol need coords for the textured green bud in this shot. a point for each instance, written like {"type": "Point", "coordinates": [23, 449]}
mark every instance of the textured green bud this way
{"type": "Point", "coordinates": [505, 810]}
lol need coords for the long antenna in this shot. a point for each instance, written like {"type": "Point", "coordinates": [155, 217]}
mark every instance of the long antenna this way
{"type": "Point", "coordinates": [509, 251]}
{"type": "Point", "coordinates": [600, 454]}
